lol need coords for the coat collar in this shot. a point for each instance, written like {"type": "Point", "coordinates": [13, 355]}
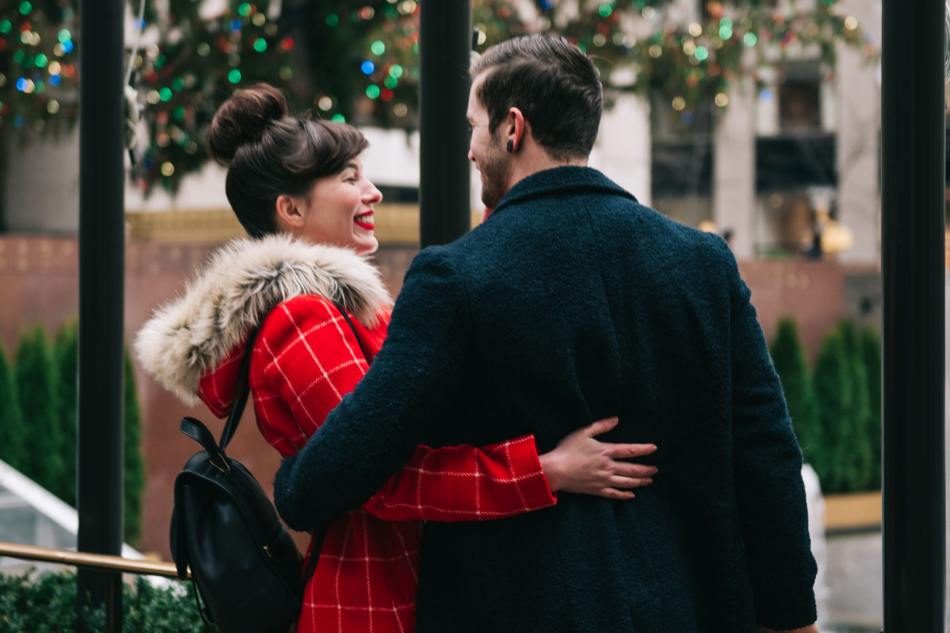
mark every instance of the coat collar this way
{"type": "Point", "coordinates": [241, 283]}
{"type": "Point", "coordinates": [560, 181]}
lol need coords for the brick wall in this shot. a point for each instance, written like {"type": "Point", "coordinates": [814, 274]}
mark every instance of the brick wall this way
{"type": "Point", "coordinates": [39, 284]}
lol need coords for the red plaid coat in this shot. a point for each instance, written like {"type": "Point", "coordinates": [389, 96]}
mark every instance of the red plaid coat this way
{"type": "Point", "coordinates": [304, 361]}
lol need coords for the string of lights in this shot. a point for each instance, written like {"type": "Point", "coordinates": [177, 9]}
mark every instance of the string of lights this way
{"type": "Point", "coordinates": [360, 61]}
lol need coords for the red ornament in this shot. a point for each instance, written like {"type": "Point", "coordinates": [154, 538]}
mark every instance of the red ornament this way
{"type": "Point", "coordinates": [3, 44]}
{"type": "Point", "coordinates": [386, 94]}
{"type": "Point", "coordinates": [287, 43]}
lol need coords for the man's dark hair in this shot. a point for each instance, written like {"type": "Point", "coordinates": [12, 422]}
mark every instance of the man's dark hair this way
{"type": "Point", "coordinates": [553, 83]}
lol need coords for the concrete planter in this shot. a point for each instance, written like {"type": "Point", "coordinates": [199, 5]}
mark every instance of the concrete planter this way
{"type": "Point", "coordinates": [851, 511]}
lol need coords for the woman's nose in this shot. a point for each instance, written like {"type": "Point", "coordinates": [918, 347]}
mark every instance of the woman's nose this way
{"type": "Point", "coordinates": [372, 195]}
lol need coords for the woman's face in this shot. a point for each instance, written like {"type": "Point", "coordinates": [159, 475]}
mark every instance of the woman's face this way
{"type": "Point", "coordinates": [340, 211]}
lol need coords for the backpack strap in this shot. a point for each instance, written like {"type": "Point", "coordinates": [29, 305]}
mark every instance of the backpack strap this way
{"type": "Point", "coordinates": [350, 323]}
{"type": "Point", "coordinates": [321, 533]}
{"type": "Point", "coordinates": [243, 390]}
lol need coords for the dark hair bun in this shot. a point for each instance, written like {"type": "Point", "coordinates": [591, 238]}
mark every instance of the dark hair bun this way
{"type": "Point", "coordinates": [243, 119]}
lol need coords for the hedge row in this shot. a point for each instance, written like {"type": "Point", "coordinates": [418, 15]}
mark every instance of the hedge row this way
{"type": "Point", "coordinates": [835, 411]}
{"type": "Point", "coordinates": [48, 603]}
{"type": "Point", "coordinates": [38, 419]}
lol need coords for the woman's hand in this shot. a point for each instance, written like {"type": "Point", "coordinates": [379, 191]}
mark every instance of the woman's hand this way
{"type": "Point", "coordinates": [812, 628]}
{"type": "Point", "coordinates": [584, 465]}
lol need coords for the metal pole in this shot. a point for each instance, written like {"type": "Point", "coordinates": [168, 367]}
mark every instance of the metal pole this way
{"type": "Point", "coordinates": [101, 278]}
{"type": "Point", "coordinates": [912, 243]}
{"type": "Point", "coordinates": [445, 37]}
{"type": "Point", "coordinates": [92, 561]}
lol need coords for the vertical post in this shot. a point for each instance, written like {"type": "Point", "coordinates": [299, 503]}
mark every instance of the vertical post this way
{"type": "Point", "coordinates": [913, 199]}
{"type": "Point", "coordinates": [445, 40]}
{"type": "Point", "coordinates": [101, 279]}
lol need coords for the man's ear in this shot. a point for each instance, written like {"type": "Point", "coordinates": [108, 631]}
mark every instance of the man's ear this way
{"type": "Point", "coordinates": [515, 129]}
{"type": "Point", "coordinates": [289, 211]}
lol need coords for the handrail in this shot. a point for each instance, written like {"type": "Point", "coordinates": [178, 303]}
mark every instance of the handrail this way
{"type": "Point", "coordinates": [92, 561]}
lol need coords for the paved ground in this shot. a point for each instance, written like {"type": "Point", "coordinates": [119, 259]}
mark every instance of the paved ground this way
{"type": "Point", "coordinates": [854, 578]}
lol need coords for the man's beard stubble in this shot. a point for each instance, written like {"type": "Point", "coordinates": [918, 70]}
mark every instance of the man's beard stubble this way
{"type": "Point", "coordinates": [496, 169]}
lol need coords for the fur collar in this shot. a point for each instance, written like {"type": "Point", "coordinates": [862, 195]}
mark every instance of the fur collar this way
{"type": "Point", "coordinates": [241, 283]}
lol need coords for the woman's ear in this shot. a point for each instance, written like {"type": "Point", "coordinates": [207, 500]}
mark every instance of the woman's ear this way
{"type": "Point", "coordinates": [289, 212]}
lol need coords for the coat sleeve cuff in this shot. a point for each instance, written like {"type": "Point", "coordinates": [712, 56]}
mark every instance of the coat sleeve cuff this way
{"type": "Point", "coordinates": [788, 612]}
{"type": "Point", "coordinates": [529, 476]}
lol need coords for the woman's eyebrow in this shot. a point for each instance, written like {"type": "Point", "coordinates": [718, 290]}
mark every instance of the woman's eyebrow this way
{"type": "Point", "coordinates": [352, 166]}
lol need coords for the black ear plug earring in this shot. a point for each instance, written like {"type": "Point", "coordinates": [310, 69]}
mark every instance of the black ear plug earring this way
{"type": "Point", "coordinates": [511, 146]}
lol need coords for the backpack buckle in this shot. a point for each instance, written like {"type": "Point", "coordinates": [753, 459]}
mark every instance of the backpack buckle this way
{"type": "Point", "coordinates": [227, 467]}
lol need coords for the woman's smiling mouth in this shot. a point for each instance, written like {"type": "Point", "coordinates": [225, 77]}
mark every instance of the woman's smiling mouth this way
{"type": "Point", "coordinates": [365, 221]}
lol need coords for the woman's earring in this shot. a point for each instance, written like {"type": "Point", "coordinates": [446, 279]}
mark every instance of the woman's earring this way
{"type": "Point", "coordinates": [511, 146]}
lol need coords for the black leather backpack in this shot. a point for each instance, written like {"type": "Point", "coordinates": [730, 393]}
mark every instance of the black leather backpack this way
{"type": "Point", "coordinates": [244, 564]}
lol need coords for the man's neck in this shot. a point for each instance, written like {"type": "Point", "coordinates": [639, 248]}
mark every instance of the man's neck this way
{"type": "Point", "coordinates": [535, 160]}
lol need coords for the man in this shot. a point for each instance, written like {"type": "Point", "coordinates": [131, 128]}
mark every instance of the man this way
{"type": "Point", "coordinates": [572, 303]}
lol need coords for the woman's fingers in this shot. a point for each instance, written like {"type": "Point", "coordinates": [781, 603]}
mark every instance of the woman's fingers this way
{"type": "Point", "coordinates": [618, 481]}
{"type": "Point", "coordinates": [624, 451]}
{"type": "Point", "coordinates": [626, 469]}
{"type": "Point", "coordinates": [613, 493]}
{"type": "Point", "coordinates": [601, 426]}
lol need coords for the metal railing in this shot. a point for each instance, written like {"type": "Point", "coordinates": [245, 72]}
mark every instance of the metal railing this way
{"type": "Point", "coordinates": [97, 562]}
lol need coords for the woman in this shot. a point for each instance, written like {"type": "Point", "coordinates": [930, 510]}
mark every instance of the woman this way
{"type": "Point", "coordinates": [297, 186]}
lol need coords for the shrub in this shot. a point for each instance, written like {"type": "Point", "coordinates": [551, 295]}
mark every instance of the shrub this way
{"type": "Point", "coordinates": [48, 603]}
{"type": "Point", "coordinates": [859, 452]}
{"type": "Point", "coordinates": [834, 393]}
{"type": "Point", "coordinates": [37, 382]}
{"type": "Point", "coordinates": [788, 356]}
{"type": "Point", "coordinates": [870, 344]}
{"type": "Point", "coordinates": [11, 421]}
{"type": "Point", "coordinates": [67, 346]}
{"type": "Point", "coordinates": [134, 474]}
{"type": "Point", "coordinates": [67, 358]}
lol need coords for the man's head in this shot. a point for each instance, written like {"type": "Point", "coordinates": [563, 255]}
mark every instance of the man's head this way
{"type": "Point", "coordinates": [535, 103]}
